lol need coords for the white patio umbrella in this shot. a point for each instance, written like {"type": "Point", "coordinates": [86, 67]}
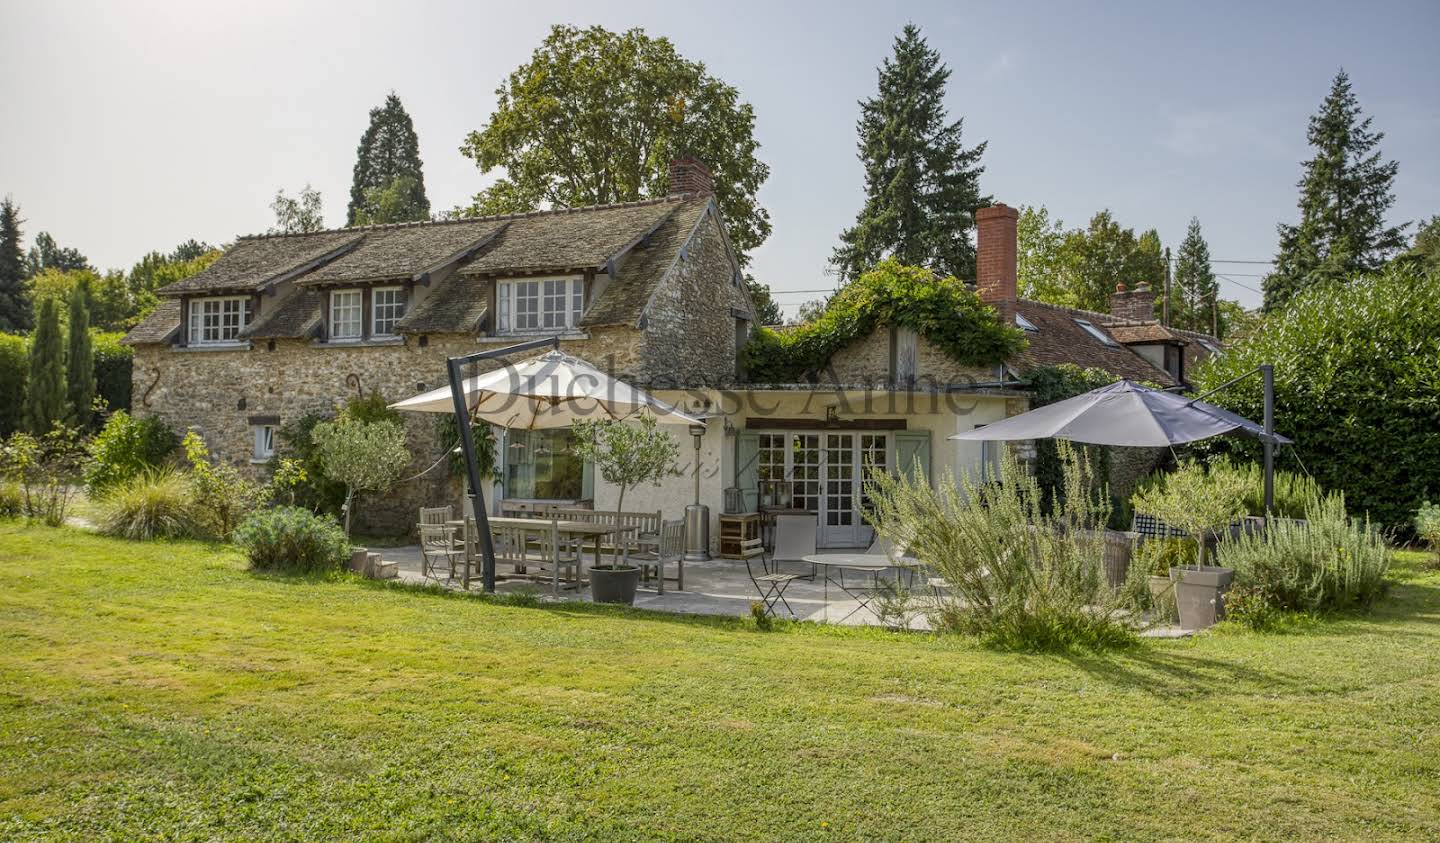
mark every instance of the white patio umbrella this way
{"type": "Point", "coordinates": [551, 390]}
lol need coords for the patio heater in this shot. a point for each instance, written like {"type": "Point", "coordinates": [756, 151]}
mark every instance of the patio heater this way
{"type": "Point", "coordinates": [697, 515]}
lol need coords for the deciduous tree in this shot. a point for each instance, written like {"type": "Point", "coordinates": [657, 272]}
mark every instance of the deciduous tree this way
{"type": "Point", "coordinates": [922, 186]}
{"type": "Point", "coordinates": [596, 116]}
{"type": "Point", "coordinates": [301, 215]}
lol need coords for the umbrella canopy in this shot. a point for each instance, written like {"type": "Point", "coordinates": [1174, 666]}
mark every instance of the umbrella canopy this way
{"type": "Point", "coordinates": [552, 390]}
{"type": "Point", "coordinates": [1123, 413]}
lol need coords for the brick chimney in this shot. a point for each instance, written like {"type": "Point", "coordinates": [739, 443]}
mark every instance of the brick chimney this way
{"type": "Point", "coordinates": [689, 174]}
{"type": "Point", "coordinates": [1136, 305]}
{"type": "Point", "coordinates": [995, 273]}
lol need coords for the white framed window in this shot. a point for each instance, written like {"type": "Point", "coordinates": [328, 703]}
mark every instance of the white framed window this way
{"type": "Point", "coordinates": [1097, 333]}
{"type": "Point", "coordinates": [218, 320]}
{"type": "Point", "coordinates": [263, 436]}
{"type": "Point", "coordinates": [346, 310]}
{"type": "Point", "coordinates": [387, 304]}
{"type": "Point", "coordinates": [544, 304]}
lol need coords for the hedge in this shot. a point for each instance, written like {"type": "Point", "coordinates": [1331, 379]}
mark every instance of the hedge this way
{"type": "Point", "coordinates": [13, 373]}
{"type": "Point", "coordinates": [1357, 386]}
{"type": "Point", "coordinates": [113, 364]}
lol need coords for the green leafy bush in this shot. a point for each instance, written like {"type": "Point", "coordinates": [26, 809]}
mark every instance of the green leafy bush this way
{"type": "Point", "coordinates": [1191, 498]}
{"type": "Point", "coordinates": [12, 500]}
{"type": "Point", "coordinates": [223, 497]}
{"type": "Point", "coordinates": [157, 504]}
{"type": "Point", "coordinates": [113, 365]}
{"type": "Point", "coordinates": [1020, 578]}
{"type": "Point", "coordinates": [943, 310]}
{"type": "Point", "coordinates": [317, 491]}
{"type": "Point", "coordinates": [1294, 493]}
{"type": "Point", "coordinates": [1427, 526]}
{"type": "Point", "coordinates": [45, 469]}
{"type": "Point", "coordinates": [292, 540]}
{"type": "Point", "coordinates": [1330, 561]}
{"type": "Point", "coordinates": [127, 447]}
{"type": "Point", "coordinates": [14, 371]}
{"type": "Point", "coordinates": [1355, 387]}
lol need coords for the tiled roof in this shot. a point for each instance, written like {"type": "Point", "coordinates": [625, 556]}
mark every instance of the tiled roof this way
{"type": "Point", "coordinates": [158, 327]}
{"type": "Point", "coordinates": [456, 304]}
{"type": "Point", "coordinates": [1199, 348]}
{"type": "Point", "coordinates": [1060, 339]}
{"type": "Point", "coordinates": [298, 315]}
{"type": "Point", "coordinates": [402, 252]}
{"type": "Point", "coordinates": [255, 262]}
{"type": "Point", "coordinates": [570, 239]}
{"type": "Point", "coordinates": [1142, 332]}
{"type": "Point", "coordinates": [624, 300]}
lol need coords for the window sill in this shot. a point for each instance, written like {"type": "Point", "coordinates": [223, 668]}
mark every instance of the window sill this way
{"type": "Point", "coordinates": [260, 461]}
{"type": "Point", "coordinates": [522, 336]}
{"type": "Point", "coordinates": [374, 342]}
{"type": "Point", "coordinates": [243, 345]}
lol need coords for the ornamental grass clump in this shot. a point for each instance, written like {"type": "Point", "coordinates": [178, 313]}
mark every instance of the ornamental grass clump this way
{"type": "Point", "coordinates": [157, 504]}
{"type": "Point", "coordinates": [291, 540]}
{"type": "Point", "coordinates": [1018, 577]}
{"type": "Point", "coordinates": [1427, 527]}
{"type": "Point", "coordinates": [1329, 562]}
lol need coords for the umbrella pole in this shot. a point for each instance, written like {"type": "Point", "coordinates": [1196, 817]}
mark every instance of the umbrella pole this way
{"type": "Point", "coordinates": [1267, 374]}
{"type": "Point", "coordinates": [467, 445]}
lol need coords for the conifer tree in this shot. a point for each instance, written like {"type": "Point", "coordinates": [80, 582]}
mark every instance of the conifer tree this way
{"type": "Point", "coordinates": [79, 364]}
{"type": "Point", "coordinates": [389, 183]}
{"type": "Point", "coordinates": [1345, 190]}
{"type": "Point", "coordinates": [922, 186]}
{"type": "Point", "coordinates": [14, 307]}
{"type": "Point", "coordinates": [1195, 286]}
{"type": "Point", "coordinates": [45, 391]}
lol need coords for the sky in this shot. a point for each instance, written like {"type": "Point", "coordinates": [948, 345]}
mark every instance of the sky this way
{"type": "Point", "coordinates": [130, 127]}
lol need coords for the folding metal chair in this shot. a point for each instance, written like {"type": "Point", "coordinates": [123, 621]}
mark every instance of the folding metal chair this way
{"type": "Point", "coordinates": [770, 584]}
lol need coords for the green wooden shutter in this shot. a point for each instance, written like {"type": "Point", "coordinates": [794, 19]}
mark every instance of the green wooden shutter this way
{"type": "Point", "coordinates": [912, 450]}
{"type": "Point", "coordinates": [747, 469]}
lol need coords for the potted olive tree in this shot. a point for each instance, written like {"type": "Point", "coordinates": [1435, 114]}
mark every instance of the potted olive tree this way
{"type": "Point", "coordinates": [626, 455]}
{"type": "Point", "coordinates": [1202, 504]}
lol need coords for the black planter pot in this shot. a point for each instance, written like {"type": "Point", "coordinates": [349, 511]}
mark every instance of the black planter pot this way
{"type": "Point", "coordinates": [614, 585]}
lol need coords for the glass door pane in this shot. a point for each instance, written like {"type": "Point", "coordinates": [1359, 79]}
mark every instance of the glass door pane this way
{"type": "Point", "coordinates": [805, 471]}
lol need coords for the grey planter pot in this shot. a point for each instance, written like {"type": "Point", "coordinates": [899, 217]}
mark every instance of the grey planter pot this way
{"type": "Point", "coordinates": [359, 559]}
{"type": "Point", "coordinates": [1200, 594]}
{"type": "Point", "coordinates": [614, 585]}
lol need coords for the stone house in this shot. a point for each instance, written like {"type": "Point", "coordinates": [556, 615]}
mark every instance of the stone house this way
{"type": "Point", "coordinates": [285, 325]}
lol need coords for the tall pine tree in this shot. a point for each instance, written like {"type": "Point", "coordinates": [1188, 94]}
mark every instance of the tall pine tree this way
{"type": "Point", "coordinates": [922, 186]}
{"type": "Point", "coordinates": [1345, 191]}
{"type": "Point", "coordinates": [389, 184]}
{"type": "Point", "coordinates": [45, 390]}
{"type": "Point", "coordinates": [1196, 289]}
{"type": "Point", "coordinates": [14, 307]}
{"type": "Point", "coordinates": [79, 364]}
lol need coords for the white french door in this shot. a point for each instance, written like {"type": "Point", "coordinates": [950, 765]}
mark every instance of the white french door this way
{"type": "Point", "coordinates": [826, 472]}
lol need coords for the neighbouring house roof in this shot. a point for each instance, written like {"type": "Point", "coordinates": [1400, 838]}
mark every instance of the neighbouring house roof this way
{"type": "Point", "coordinates": [1142, 333]}
{"type": "Point", "coordinates": [254, 263]}
{"type": "Point", "coordinates": [1060, 338]}
{"type": "Point", "coordinates": [1199, 347]}
{"type": "Point", "coordinates": [638, 241]}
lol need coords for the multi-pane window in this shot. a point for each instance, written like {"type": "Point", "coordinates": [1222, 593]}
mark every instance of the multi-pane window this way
{"type": "Point", "coordinates": [218, 320]}
{"type": "Point", "coordinates": [541, 305]}
{"type": "Point", "coordinates": [346, 311]}
{"type": "Point", "coordinates": [805, 471]}
{"type": "Point", "coordinates": [388, 305]}
{"type": "Point", "coordinates": [872, 461]}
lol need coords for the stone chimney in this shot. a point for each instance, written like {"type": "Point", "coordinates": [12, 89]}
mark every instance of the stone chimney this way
{"type": "Point", "coordinates": [1137, 305]}
{"type": "Point", "coordinates": [689, 174]}
{"type": "Point", "coordinates": [995, 272]}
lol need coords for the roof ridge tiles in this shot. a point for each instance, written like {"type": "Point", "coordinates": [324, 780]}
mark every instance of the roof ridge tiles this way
{"type": "Point", "coordinates": [392, 226]}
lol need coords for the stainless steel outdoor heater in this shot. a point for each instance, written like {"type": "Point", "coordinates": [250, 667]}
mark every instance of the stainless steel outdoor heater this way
{"type": "Point", "coordinates": [697, 515]}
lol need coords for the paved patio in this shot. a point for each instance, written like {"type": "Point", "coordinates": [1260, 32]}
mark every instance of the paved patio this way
{"type": "Point", "coordinates": [716, 587]}
{"type": "Point", "coordinates": [721, 587]}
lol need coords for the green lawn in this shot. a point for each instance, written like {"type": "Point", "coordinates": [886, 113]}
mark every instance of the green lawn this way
{"type": "Point", "coordinates": [161, 691]}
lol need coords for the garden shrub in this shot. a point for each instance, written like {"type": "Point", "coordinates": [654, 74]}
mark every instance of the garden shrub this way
{"type": "Point", "coordinates": [1427, 526]}
{"type": "Point", "coordinates": [12, 500]}
{"type": "Point", "coordinates": [223, 497]}
{"type": "Point", "coordinates": [1330, 561]}
{"type": "Point", "coordinates": [288, 539]}
{"type": "Point", "coordinates": [1294, 493]}
{"type": "Point", "coordinates": [113, 365]}
{"type": "Point", "coordinates": [156, 504]}
{"type": "Point", "coordinates": [1047, 385]}
{"type": "Point", "coordinates": [45, 469]}
{"type": "Point", "coordinates": [943, 310]}
{"type": "Point", "coordinates": [1020, 578]}
{"type": "Point", "coordinates": [317, 491]}
{"type": "Point", "coordinates": [1355, 387]}
{"type": "Point", "coordinates": [1191, 498]}
{"type": "Point", "coordinates": [127, 447]}
{"type": "Point", "coordinates": [14, 371]}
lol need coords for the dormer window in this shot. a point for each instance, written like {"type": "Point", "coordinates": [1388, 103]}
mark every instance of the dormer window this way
{"type": "Point", "coordinates": [547, 304]}
{"type": "Point", "coordinates": [1025, 324]}
{"type": "Point", "coordinates": [346, 315]}
{"type": "Point", "coordinates": [388, 306]}
{"type": "Point", "coordinates": [1097, 333]}
{"type": "Point", "coordinates": [215, 321]}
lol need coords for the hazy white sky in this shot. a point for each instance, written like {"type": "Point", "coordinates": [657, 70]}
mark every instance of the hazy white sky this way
{"type": "Point", "coordinates": [133, 126]}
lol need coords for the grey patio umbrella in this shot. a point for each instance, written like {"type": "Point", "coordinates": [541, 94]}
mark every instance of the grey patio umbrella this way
{"type": "Point", "coordinates": [1124, 413]}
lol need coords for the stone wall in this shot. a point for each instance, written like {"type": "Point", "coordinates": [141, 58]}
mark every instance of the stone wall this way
{"type": "Point", "coordinates": [867, 361]}
{"type": "Point", "coordinates": [689, 332]}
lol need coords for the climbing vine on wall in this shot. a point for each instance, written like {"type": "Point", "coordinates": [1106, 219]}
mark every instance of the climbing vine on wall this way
{"type": "Point", "coordinates": [943, 310]}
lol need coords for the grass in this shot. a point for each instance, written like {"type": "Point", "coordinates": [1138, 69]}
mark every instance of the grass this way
{"type": "Point", "coordinates": [160, 691]}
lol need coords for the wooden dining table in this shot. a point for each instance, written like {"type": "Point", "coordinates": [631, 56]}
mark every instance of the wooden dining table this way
{"type": "Point", "coordinates": [583, 530]}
